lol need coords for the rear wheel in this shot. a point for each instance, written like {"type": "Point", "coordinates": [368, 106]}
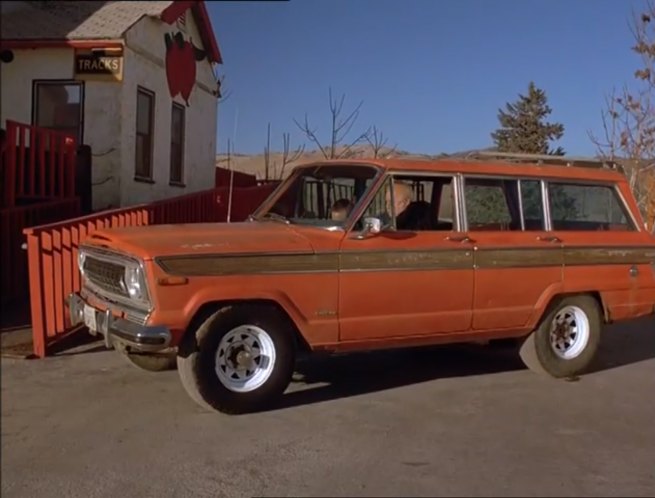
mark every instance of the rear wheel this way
{"type": "Point", "coordinates": [567, 338]}
{"type": "Point", "coordinates": [239, 360]}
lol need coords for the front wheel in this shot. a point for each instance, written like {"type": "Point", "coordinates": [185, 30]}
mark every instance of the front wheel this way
{"type": "Point", "coordinates": [240, 359]}
{"type": "Point", "coordinates": [567, 338]}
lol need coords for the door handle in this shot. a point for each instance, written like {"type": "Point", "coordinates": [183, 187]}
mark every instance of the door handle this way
{"type": "Point", "coordinates": [551, 239]}
{"type": "Point", "coordinates": [461, 240]}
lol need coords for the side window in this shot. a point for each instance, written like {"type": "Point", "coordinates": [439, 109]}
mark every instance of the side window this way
{"type": "Point", "coordinates": [377, 208]}
{"type": "Point", "coordinates": [533, 206]}
{"type": "Point", "coordinates": [492, 204]}
{"type": "Point", "coordinates": [322, 196]}
{"type": "Point", "coordinates": [418, 203]}
{"type": "Point", "coordinates": [586, 208]}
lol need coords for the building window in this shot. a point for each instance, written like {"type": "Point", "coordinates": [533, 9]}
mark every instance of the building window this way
{"type": "Point", "coordinates": [177, 144]}
{"type": "Point", "coordinates": [145, 108]}
{"type": "Point", "coordinates": [59, 105]}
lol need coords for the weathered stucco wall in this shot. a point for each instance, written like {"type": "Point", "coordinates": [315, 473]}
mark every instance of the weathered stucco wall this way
{"type": "Point", "coordinates": [145, 66]}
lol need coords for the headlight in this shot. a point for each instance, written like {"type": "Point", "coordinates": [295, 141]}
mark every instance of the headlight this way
{"type": "Point", "coordinates": [134, 283]}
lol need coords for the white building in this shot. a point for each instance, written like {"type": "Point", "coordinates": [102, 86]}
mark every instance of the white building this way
{"type": "Point", "coordinates": [134, 80]}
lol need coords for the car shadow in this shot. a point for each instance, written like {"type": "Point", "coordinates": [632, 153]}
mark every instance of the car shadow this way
{"type": "Point", "coordinates": [354, 374]}
{"type": "Point", "coordinates": [625, 344]}
{"type": "Point", "coordinates": [363, 373]}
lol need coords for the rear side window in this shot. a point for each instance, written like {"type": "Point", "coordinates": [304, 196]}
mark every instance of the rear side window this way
{"type": "Point", "coordinates": [533, 207]}
{"type": "Point", "coordinates": [492, 204]}
{"type": "Point", "coordinates": [586, 208]}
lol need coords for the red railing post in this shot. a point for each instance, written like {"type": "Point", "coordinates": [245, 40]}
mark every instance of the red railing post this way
{"type": "Point", "coordinates": [10, 166]}
{"type": "Point", "coordinates": [61, 167]}
{"type": "Point", "coordinates": [36, 289]}
{"type": "Point", "coordinates": [71, 160]}
{"type": "Point", "coordinates": [20, 170]}
{"type": "Point", "coordinates": [32, 169]}
{"type": "Point", "coordinates": [42, 137]}
{"type": "Point", "coordinates": [52, 159]}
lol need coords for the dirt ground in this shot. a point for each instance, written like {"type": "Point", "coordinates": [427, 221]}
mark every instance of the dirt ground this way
{"type": "Point", "coordinates": [440, 421]}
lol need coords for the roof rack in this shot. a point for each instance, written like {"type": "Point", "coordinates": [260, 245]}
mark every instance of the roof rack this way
{"type": "Point", "coordinates": [583, 162]}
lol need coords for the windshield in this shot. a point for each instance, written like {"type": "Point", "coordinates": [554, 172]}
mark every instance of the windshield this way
{"type": "Point", "coordinates": [322, 196]}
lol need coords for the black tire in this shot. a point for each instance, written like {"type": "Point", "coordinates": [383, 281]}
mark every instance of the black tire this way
{"type": "Point", "coordinates": [152, 362]}
{"type": "Point", "coordinates": [538, 354]}
{"type": "Point", "coordinates": [196, 360]}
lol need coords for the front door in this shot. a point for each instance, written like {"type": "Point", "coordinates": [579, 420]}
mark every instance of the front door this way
{"type": "Point", "coordinates": [416, 280]}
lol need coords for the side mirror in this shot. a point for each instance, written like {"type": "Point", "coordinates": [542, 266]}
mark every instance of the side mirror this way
{"type": "Point", "coordinates": [372, 226]}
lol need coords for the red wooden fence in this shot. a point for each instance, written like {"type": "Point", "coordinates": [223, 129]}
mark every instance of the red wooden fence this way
{"type": "Point", "coordinates": [52, 249]}
{"type": "Point", "coordinates": [14, 278]}
{"type": "Point", "coordinates": [39, 164]}
{"type": "Point", "coordinates": [224, 176]}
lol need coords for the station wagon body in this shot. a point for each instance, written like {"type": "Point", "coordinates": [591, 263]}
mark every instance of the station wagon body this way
{"type": "Point", "coordinates": [495, 248]}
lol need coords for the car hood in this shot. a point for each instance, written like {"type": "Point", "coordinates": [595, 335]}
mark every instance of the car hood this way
{"type": "Point", "coordinates": [148, 242]}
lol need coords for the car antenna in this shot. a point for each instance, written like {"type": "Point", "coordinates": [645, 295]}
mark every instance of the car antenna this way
{"type": "Point", "coordinates": [231, 187]}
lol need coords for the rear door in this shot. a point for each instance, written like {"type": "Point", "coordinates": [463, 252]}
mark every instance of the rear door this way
{"type": "Point", "coordinates": [517, 262]}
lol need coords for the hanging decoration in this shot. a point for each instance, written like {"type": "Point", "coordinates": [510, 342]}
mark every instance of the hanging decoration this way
{"type": "Point", "coordinates": [181, 59]}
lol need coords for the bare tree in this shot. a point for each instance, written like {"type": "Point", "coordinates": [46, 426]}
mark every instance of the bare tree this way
{"type": "Point", "coordinates": [378, 143]}
{"type": "Point", "coordinates": [340, 128]}
{"type": "Point", "coordinates": [629, 118]}
{"type": "Point", "coordinates": [288, 156]}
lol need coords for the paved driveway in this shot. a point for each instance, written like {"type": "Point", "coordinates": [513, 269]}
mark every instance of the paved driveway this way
{"type": "Point", "coordinates": [439, 421]}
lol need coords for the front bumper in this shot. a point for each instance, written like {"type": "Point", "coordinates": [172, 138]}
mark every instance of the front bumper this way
{"type": "Point", "coordinates": [139, 338]}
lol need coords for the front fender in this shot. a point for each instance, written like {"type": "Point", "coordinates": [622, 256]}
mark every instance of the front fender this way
{"type": "Point", "coordinates": [301, 299]}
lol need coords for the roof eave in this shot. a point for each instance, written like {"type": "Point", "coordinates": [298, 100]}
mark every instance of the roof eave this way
{"type": "Point", "coordinates": [54, 43]}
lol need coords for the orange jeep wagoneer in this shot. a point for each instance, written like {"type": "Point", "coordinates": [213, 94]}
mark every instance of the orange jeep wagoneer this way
{"type": "Point", "coordinates": [359, 254]}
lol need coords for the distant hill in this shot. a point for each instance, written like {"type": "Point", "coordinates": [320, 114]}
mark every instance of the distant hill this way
{"type": "Point", "coordinates": [255, 164]}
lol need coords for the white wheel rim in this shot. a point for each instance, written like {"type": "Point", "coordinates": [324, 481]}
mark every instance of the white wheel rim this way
{"type": "Point", "coordinates": [245, 358]}
{"type": "Point", "coordinates": [569, 332]}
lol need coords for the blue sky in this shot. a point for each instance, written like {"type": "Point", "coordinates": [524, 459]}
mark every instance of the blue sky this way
{"type": "Point", "coordinates": [432, 73]}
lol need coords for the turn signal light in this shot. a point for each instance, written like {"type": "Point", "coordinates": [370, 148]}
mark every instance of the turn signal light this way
{"type": "Point", "coordinates": [173, 281]}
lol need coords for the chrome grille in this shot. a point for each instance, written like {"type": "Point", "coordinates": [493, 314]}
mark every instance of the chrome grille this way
{"type": "Point", "coordinates": [105, 275]}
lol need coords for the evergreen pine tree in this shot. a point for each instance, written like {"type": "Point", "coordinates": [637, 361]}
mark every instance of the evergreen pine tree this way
{"type": "Point", "coordinates": [523, 128]}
